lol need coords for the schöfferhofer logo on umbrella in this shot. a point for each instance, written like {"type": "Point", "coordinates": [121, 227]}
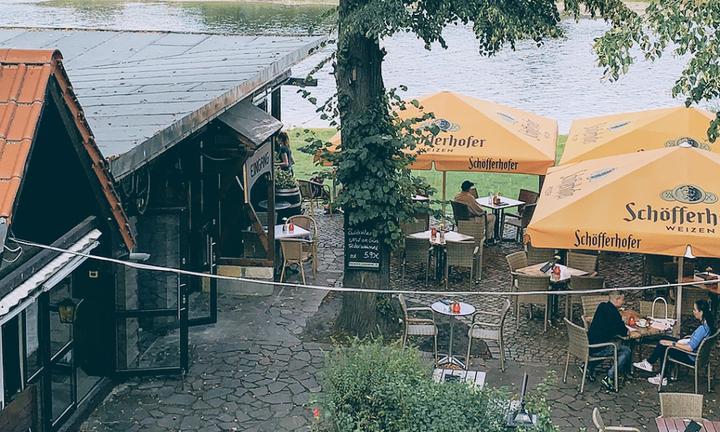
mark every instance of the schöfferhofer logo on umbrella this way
{"type": "Point", "coordinates": [449, 141]}
{"type": "Point", "coordinates": [687, 141]}
{"type": "Point", "coordinates": [689, 216]}
{"type": "Point", "coordinates": [689, 194]}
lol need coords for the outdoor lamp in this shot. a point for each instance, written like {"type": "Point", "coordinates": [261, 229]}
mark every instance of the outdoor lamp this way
{"type": "Point", "coordinates": [66, 311]}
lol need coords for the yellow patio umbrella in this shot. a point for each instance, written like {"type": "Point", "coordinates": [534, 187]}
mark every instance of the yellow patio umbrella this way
{"type": "Point", "coordinates": [481, 136]}
{"type": "Point", "coordinates": [661, 202]}
{"type": "Point", "coordinates": [615, 134]}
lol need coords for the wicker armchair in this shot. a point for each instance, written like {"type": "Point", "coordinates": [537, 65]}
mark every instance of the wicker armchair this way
{"type": "Point", "coordinates": [532, 283]}
{"type": "Point", "coordinates": [526, 196]}
{"type": "Point", "coordinates": [580, 283]}
{"type": "Point", "coordinates": [682, 405]}
{"type": "Point", "coordinates": [521, 222]}
{"type": "Point", "coordinates": [314, 194]}
{"type": "Point", "coordinates": [579, 347]}
{"type": "Point", "coordinates": [309, 224]}
{"type": "Point", "coordinates": [416, 251]}
{"type": "Point", "coordinates": [590, 304]}
{"type": "Point", "coordinates": [460, 211]}
{"type": "Point", "coordinates": [419, 326]}
{"type": "Point", "coordinates": [475, 229]}
{"type": "Point", "coordinates": [516, 261]}
{"type": "Point", "coordinates": [657, 309]}
{"type": "Point", "coordinates": [461, 254]}
{"type": "Point", "coordinates": [600, 424]}
{"type": "Point", "coordinates": [539, 255]}
{"type": "Point", "coordinates": [412, 226]}
{"type": "Point", "coordinates": [584, 262]}
{"type": "Point", "coordinates": [702, 360]}
{"type": "Point", "coordinates": [295, 251]}
{"type": "Point", "coordinates": [489, 331]}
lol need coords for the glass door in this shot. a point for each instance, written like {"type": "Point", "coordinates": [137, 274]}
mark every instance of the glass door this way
{"type": "Point", "coordinates": [63, 382]}
{"type": "Point", "coordinates": [151, 311]}
{"type": "Point", "coordinates": [202, 292]}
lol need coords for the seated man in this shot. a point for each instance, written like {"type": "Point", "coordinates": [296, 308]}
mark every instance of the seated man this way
{"type": "Point", "coordinates": [468, 198]}
{"type": "Point", "coordinates": [606, 326]}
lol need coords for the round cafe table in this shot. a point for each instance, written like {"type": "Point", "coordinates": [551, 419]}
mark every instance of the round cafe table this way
{"type": "Point", "coordinates": [444, 309]}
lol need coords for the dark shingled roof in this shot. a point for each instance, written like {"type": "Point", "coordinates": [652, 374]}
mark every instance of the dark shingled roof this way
{"type": "Point", "coordinates": [143, 92]}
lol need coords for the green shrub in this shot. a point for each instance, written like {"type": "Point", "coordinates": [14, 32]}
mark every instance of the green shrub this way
{"type": "Point", "coordinates": [371, 387]}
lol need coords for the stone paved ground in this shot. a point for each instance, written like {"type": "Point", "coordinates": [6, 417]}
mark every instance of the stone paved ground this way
{"type": "Point", "coordinates": [251, 372]}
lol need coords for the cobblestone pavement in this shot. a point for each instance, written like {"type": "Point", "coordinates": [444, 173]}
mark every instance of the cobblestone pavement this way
{"type": "Point", "coordinates": [250, 371]}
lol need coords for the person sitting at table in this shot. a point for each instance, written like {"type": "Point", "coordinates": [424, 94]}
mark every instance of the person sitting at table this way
{"type": "Point", "coordinates": [707, 327]}
{"type": "Point", "coordinates": [465, 196]}
{"type": "Point", "coordinates": [607, 325]}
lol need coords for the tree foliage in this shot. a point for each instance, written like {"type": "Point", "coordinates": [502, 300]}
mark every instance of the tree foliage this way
{"type": "Point", "coordinates": [372, 161]}
{"type": "Point", "coordinates": [682, 27]}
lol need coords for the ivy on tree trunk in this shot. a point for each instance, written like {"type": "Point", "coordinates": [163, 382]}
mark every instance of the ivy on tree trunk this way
{"type": "Point", "coordinates": [363, 113]}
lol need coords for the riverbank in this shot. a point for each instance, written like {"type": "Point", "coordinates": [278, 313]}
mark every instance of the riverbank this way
{"type": "Point", "coordinates": [637, 6]}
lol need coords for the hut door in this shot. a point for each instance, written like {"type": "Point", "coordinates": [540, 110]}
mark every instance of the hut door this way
{"type": "Point", "coordinates": [151, 308]}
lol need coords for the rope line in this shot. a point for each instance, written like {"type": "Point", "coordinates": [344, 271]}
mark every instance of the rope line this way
{"type": "Point", "coordinates": [150, 267]}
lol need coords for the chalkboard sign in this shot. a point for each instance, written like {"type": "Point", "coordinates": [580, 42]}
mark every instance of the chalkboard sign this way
{"type": "Point", "coordinates": [362, 249]}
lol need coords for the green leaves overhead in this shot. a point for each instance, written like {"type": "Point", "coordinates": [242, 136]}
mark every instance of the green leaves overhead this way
{"type": "Point", "coordinates": [686, 28]}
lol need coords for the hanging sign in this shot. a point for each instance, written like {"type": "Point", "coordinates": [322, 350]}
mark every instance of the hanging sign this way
{"type": "Point", "coordinates": [257, 165]}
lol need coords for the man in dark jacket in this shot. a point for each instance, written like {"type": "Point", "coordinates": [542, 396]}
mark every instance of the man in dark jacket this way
{"type": "Point", "coordinates": [607, 325]}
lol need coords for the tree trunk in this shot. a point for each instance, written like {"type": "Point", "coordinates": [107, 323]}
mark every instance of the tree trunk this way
{"type": "Point", "coordinates": [361, 91]}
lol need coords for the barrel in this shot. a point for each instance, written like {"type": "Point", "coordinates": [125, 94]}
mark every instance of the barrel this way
{"type": "Point", "coordinates": [288, 202]}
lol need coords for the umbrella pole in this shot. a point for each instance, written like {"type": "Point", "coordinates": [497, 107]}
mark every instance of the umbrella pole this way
{"type": "Point", "coordinates": [678, 298]}
{"type": "Point", "coordinates": [444, 179]}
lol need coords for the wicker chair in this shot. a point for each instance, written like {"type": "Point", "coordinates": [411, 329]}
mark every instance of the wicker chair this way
{"type": "Point", "coordinates": [600, 424]}
{"type": "Point", "coordinates": [516, 261]}
{"type": "Point", "coordinates": [309, 224]}
{"type": "Point", "coordinates": [580, 283]}
{"type": "Point", "coordinates": [584, 262]}
{"type": "Point", "coordinates": [526, 196]}
{"type": "Point", "coordinates": [579, 347]}
{"type": "Point", "coordinates": [682, 405]}
{"type": "Point", "coordinates": [702, 360]}
{"type": "Point", "coordinates": [489, 331]}
{"type": "Point", "coordinates": [657, 309]}
{"type": "Point", "coordinates": [521, 222]}
{"type": "Point", "coordinates": [460, 211]}
{"type": "Point", "coordinates": [475, 229]}
{"type": "Point", "coordinates": [309, 193]}
{"type": "Point", "coordinates": [539, 255]}
{"type": "Point", "coordinates": [590, 304]}
{"type": "Point", "coordinates": [532, 283]}
{"type": "Point", "coordinates": [416, 251]}
{"type": "Point", "coordinates": [295, 251]}
{"type": "Point", "coordinates": [419, 326]}
{"type": "Point", "coordinates": [461, 254]}
{"type": "Point", "coordinates": [413, 226]}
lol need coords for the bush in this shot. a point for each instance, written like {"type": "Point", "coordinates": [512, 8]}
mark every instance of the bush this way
{"type": "Point", "coordinates": [371, 387]}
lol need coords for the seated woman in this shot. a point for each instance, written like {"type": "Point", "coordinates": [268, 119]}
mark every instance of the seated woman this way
{"type": "Point", "coordinates": [701, 311]}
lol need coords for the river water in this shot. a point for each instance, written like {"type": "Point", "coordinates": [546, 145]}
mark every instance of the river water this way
{"type": "Point", "coordinates": [559, 79]}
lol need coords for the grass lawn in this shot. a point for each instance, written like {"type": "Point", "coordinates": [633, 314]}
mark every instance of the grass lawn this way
{"type": "Point", "coordinates": [507, 184]}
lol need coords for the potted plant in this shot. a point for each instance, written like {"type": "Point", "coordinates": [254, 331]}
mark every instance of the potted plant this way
{"type": "Point", "coordinates": [288, 201]}
{"type": "Point", "coordinates": [284, 180]}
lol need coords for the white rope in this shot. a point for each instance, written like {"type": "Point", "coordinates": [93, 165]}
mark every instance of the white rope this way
{"type": "Point", "coordinates": [141, 266]}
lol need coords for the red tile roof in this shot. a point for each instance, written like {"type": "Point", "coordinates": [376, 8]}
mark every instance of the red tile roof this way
{"type": "Point", "coordinates": [24, 78]}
